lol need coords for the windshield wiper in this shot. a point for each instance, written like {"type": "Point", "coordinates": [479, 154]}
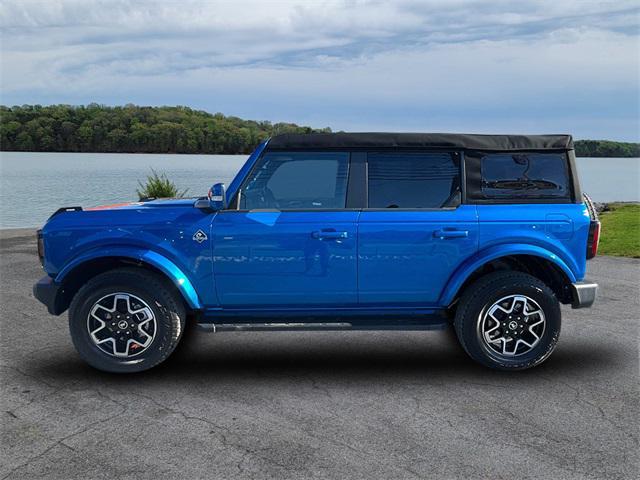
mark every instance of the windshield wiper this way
{"type": "Point", "coordinates": [522, 184]}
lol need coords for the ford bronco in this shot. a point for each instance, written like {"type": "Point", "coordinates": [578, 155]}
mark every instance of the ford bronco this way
{"type": "Point", "coordinates": [353, 231]}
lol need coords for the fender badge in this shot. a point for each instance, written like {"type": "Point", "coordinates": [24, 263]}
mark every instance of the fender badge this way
{"type": "Point", "coordinates": [200, 236]}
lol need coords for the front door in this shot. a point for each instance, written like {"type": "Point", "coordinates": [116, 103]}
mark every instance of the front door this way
{"type": "Point", "coordinates": [291, 241]}
{"type": "Point", "coordinates": [415, 232]}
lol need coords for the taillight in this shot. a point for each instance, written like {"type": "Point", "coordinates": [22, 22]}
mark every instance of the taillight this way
{"type": "Point", "coordinates": [594, 239]}
{"type": "Point", "coordinates": [40, 246]}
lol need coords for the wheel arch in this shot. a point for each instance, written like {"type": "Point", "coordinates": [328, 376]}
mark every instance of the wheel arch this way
{"type": "Point", "coordinates": [80, 270]}
{"type": "Point", "coordinates": [536, 261]}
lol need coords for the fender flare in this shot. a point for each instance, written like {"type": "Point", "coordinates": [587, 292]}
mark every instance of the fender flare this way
{"type": "Point", "coordinates": [162, 263]}
{"type": "Point", "coordinates": [463, 272]}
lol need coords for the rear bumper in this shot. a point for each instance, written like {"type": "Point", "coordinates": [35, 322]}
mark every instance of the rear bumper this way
{"type": "Point", "coordinates": [48, 292]}
{"type": "Point", "coordinates": [584, 294]}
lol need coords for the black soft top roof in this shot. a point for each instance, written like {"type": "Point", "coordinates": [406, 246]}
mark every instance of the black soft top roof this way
{"type": "Point", "coordinates": [294, 141]}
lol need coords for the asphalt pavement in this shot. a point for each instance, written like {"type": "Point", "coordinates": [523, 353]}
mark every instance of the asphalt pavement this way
{"type": "Point", "coordinates": [334, 405]}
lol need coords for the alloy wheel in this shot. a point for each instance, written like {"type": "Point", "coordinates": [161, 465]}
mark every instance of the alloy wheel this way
{"type": "Point", "coordinates": [121, 325]}
{"type": "Point", "coordinates": [512, 326]}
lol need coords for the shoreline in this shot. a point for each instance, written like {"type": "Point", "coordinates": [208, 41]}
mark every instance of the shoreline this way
{"type": "Point", "coordinates": [605, 206]}
{"type": "Point", "coordinates": [217, 154]}
{"type": "Point", "coordinates": [170, 153]}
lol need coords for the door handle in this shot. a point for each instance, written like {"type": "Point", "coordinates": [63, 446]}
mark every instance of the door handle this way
{"type": "Point", "coordinates": [446, 234]}
{"type": "Point", "coordinates": [327, 234]}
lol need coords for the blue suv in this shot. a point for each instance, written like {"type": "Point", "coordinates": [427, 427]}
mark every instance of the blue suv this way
{"type": "Point", "coordinates": [345, 231]}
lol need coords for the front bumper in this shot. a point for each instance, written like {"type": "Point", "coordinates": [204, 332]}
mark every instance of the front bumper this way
{"type": "Point", "coordinates": [48, 292]}
{"type": "Point", "coordinates": [584, 294]}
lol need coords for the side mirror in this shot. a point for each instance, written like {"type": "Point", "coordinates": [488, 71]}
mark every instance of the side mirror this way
{"type": "Point", "coordinates": [218, 197]}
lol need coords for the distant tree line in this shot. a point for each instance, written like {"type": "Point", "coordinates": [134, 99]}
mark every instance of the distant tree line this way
{"type": "Point", "coordinates": [606, 148]}
{"type": "Point", "coordinates": [134, 129]}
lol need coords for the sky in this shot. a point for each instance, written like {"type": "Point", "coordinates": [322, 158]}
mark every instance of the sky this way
{"type": "Point", "coordinates": [528, 66]}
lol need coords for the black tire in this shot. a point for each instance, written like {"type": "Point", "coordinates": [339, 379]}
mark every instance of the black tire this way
{"type": "Point", "coordinates": [487, 290]}
{"type": "Point", "coordinates": [160, 297]}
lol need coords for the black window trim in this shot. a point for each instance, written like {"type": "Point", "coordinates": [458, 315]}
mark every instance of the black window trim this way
{"type": "Point", "coordinates": [461, 173]}
{"type": "Point", "coordinates": [234, 205]}
{"type": "Point", "coordinates": [573, 183]}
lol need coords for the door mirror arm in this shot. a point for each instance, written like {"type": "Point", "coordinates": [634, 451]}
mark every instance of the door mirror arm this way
{"type": "Point", "coordinates": [203, 204]}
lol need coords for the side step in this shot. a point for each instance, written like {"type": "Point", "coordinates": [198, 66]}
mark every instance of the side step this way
{"type": "Point", "coordinates": [329, 326]}
{"type": "Point", "coordinates": [271, 327]}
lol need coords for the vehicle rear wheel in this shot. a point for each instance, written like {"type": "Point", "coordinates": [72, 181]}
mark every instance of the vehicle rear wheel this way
{"type": "Point", "coordinates": [508, 320]}
{"type": "Point", "coordinates": [126, 320]}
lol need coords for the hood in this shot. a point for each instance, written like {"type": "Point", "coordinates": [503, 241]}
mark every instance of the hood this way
{"type": "Point", "coordinates": [163, 202]}
{"type": "Point", "coordinates": [121, 214]}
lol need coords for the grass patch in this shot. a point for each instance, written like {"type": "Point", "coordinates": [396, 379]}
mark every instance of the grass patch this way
{"type": "Point", "coordinates": [620, 230]}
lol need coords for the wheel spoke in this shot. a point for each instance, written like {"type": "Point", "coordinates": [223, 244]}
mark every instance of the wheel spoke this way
{"type": "Point", "coordinates": [497, 325]}
{"type": "Point", "coordinates": [101, 332]}
{"type": "Point", "coordinates": [541, 320]}
{"type": "Point", "coordinates": [535, 335]}
{"type": "Point", "coordinates": [522, 341]}
{"type": "Point", "coordinates": [523, 301]}
{"type": "Point", "coordinates": [501, 308]}
{"type": "Point", "coordinates": [121, 303]}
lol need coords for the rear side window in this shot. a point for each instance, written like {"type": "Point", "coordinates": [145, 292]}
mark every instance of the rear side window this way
{"type": "Point", "coordinates": [299, 180]}
{"type": "Point", "coordinates": [519, 176]}
{"type": "Point", "coordinates": [413, 180]}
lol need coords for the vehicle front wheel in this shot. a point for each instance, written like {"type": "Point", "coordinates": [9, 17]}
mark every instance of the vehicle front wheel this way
{"type": "Point", "coordinates": [126, 320]}
{"type": "Point", "coordinates": [508, 320]}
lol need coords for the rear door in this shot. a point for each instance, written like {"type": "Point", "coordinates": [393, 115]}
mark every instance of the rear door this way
{"type": "Point", "coordinates": [292, 241]}
{"type": "Point", "coordinates": [415, 231]}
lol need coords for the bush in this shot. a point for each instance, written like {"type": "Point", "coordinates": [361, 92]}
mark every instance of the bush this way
{"type": "Point", "coordinates": [159, 186]}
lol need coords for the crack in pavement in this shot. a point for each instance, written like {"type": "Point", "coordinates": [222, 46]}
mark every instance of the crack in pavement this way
{"type": "Point", "coordinates": [580, 399]}
{"type": "Point", "coordinates": [61, 441]}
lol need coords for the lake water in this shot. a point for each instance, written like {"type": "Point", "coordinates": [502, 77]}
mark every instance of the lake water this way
{"type": "Point", "coordinates": [33, 185]}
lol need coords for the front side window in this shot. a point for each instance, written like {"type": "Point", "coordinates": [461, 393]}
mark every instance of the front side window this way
{"type": "Point", "coordinates": [297, 180]}
{"type": "Point", "coordinates": [413, 180]}
{"type": "Point", "coordinates": [524, 175]}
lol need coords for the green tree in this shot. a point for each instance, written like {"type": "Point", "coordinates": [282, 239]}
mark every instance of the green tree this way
{"type": "Point", "coordinates": [24, 142]}
{"type": "Point", "coordinates": [132, 128]}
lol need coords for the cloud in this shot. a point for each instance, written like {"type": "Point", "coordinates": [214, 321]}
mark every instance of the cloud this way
{"type": "Point", "coordinates": [474, 65]}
